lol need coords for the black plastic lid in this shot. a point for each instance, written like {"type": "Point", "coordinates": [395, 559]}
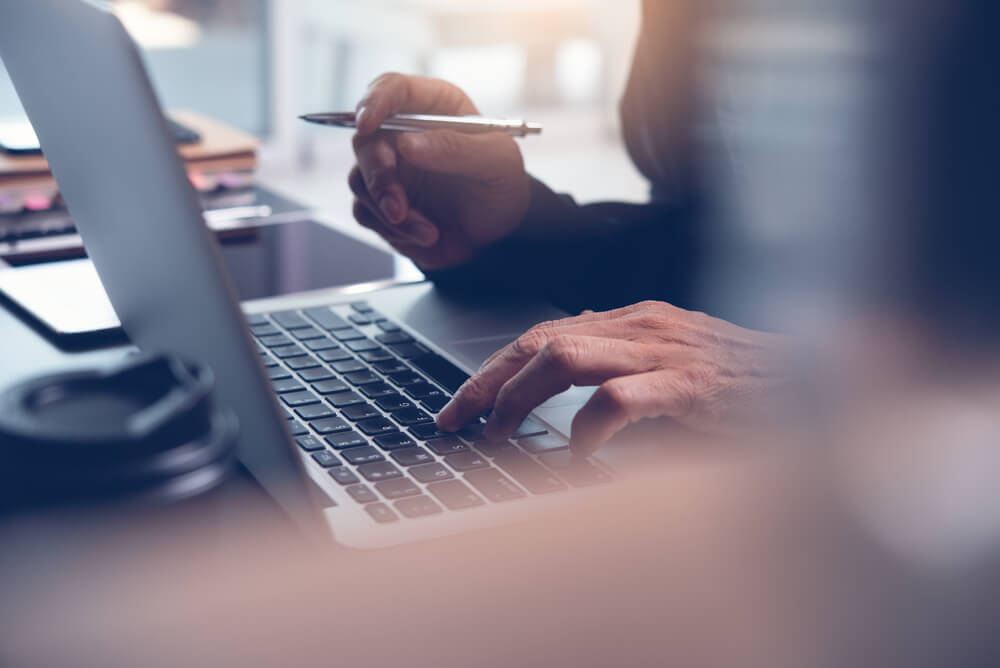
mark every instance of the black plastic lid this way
{"type": "Point", "coordinates": [135, 429]}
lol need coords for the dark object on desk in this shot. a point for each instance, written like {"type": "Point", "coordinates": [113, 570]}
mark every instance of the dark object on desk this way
{"type": "Point", "coordinates": [66, 301]}
{"type": "Point", "coordinates": [144, 431]}
{"type": "Point", "coordinates": [41, 236]}
{"type": "Point", "coordinates": [18, 138]}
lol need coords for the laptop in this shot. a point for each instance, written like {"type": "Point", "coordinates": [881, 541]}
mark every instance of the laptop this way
{"type": "Point", "coordinates": [335, 391]}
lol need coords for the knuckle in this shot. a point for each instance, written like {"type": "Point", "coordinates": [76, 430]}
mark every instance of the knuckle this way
{"type": "Point", "coordinates": [379, 177]}
{"type": "Point", "coordinates": [385, 80]}
{"type": "Point", "coordinates": [546, 325]}
{"type": "Point", "coordinates": [615, 396]}
{"type": "Point", "coordinates": [529, 344]}
{"type": "Point", "coordinates": [563, 352]}
{"type": "Point", "coordinates": [449, 143]}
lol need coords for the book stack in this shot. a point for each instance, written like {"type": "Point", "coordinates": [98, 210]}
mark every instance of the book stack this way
{"type": "Point", "coordinates": [221, 158]}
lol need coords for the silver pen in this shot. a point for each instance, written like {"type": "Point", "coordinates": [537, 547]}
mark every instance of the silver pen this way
{"type": "Point", "coordinates": [423, 122]}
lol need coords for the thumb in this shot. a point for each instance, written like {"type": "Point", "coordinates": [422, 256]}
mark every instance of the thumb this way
{"type": "Point", "coordinates": [449, 152]}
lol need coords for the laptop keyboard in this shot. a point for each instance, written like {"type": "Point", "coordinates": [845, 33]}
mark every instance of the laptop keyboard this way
{"type": "Point", "coordinates": [361, 394]}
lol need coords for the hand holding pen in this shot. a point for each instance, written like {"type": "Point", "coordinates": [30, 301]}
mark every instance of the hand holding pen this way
{"type": "Point", "coordinates": [438, 196]}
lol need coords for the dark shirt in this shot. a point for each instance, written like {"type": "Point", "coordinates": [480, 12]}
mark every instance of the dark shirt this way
{"type": "Point", "coordinates": [606, 255]}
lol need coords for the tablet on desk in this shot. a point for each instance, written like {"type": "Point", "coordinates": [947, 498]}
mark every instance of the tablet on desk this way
{"type": "Point", "coordinates": [67, 299]}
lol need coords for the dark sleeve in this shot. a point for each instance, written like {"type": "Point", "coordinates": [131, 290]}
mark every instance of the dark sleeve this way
{"type": "Point", "coordinates": [596, 256]}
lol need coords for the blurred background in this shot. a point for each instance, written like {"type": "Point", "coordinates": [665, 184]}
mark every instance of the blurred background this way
{"type": "Point", "coordinates": [257, 64]}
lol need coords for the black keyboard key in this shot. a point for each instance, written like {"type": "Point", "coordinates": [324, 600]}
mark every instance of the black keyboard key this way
{"type": "Point", "coordinates": [397, 488]}
{"type": "Point", "coordinates": [303, 362]}
{"type": "Point", "coordinates": [277, 373]}
{"type": "Point", "coordinates": [343, 399]}
{"type": "Point", "coordinates": [334, 354]}
{"type": "Point", "coordinates": [362, 377]}
{"type": "Point", "coordinates": [360, 412]}
{"type": "Point", "coordinates": [343, 475]}
{"type": "Point", "coordinates": [529, 473]}
{"type": "Point", "coordinates": [297, 428]}
{"type": "Point", "coordinates": [391, 366]}
{"type": "Point", "coordinates": [376, 426]}
{"type": "Point", "coordinates": [346, 439]}
{"type": "Point", "coordinates": [404, 378]}
{"type": "Point", "coordinates": [376, 355]}
{"type": "Point", "coordinates": [441, 370]}
{"type": "Point", "coordinates": [430, 472]}
{"type": "Point", "coordinates": [348, 366]}
{"type": "Point", "coordinates": [326, 459]}
{"type": "Point", "coordinates": [466, 461]}
{"type": "Point", "coordinates": [422, 391]}
{"type": "Point", "coordinates": [376, 390]}
{"type": "Point", "coordinates": [256, 319]}
{"type": "Point", "coordinates": [294, 399]}
{"type": "Point", "coordinates": [361, 493]}
{"type": "Point", "coordinates": [314, 411]}
{"type": "Point", "coordinates": [315, 373]}
{"type": "Point", "coordinates": [494, 485]}
{"type": "Point", "coordinates": [365, 454]}
{"type": "Point", "coordinates": [473, 432]}
{"type": "Point", "coordinates": [393, 402]}
{"type": "Point", "coordinates": [529, 428]}
{"type": "Point", "coordinates": [543, 443]}
{"type": "Point", "coordinates": [330, 386]}
{"type": "Point", "coordinates": [494, 448]}
{"type": "Point", "coordinates": [394, 441]}
{"type": "Point", "coordinates": [448, 445]}
{"type": "Point", "coordinates": [455, 494]}
{"type": "Point", "coordinates": [359, 319]}
{"type": "Point", "coordinates": [264, 329]}
{"type": "Point", "coordinates": [309, 443]}
{"type": "Point", "coordinates": [409, 416]}
{"type": "Point", "coordinates": [306, 333]}
{"type": "Point", "coordinates": [427, 431]}
{"type": "Point", "coordinates": [275, 340]}
{"type": "Point", "coordinates": [359, 345]}
{"type": "Point", "coordinates": [330, 425]}
{"type": "Point", "coordinates": [322, 344]}
{"type": "Point", "coordinates": [381, 513]}
{"type": "Point", "coordinates": [412, 456]}
{"type": "Point", "coordinates": [577, 472]}
{"type": "Point", "coordinates": [291, 350]}
{"type": "Point", "coordinates": [347, 334]}
{"type": "Point", "coordinates": [289, 319]}
{"type": "Point", "coordinates": [393, 337]}
{"type": "Point", "coordinates": [362, 307]}
{"type": "Point", "coordinates": [408, 350]}
{"type": "Point", "coordinates": [387, 325]}
{"type": "Point", "coordinates": [376, 471]}
{"type": "Point", "coordinates": [287, 385]}
{"type": "Point", "coordinates": [435, 403]}
{"type": "Point", "coordinates": [417, 506]}
{"type": "Point", "coordinates": [326, 318]}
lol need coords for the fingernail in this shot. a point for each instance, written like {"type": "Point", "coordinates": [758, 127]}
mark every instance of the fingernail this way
{"type": "Point", "coordinates": [391, 208]}
{"type": "Point", "coordinates": [359, 116]}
